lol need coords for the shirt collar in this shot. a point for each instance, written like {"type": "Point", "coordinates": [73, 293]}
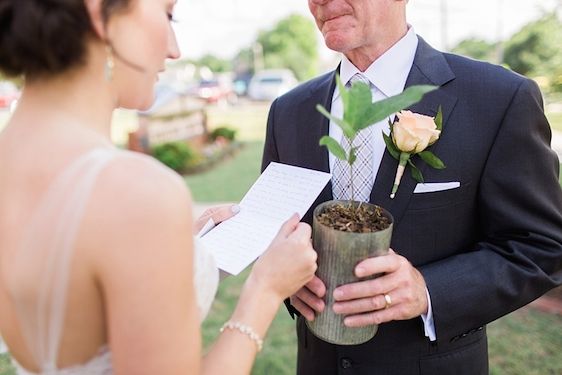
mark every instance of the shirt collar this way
{"type": "Point", "coordinates": [389, 72]}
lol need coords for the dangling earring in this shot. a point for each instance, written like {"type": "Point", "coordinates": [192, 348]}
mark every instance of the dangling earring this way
{"type": "Point", "coordinates": [109, 64]}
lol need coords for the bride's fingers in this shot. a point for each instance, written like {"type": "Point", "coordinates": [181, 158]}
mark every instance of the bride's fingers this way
{"type": "Point", "coordinates": [220, 213]}
{"type": "Point", "coordinates": [289, 226]}
{"type": "Point", "coordinates": [302, 231]}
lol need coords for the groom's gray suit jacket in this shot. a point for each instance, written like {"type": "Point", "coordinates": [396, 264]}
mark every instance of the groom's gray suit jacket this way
{"type": "Point", "coordinates": [485, 249]}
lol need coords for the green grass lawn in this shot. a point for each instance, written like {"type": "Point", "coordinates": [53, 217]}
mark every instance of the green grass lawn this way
{"type": "Point", "coordinates": [229, 181]}
{"type": "Point", "coordinates": [249, 119]}
{"type": "Point", "coordinates": [526, 342]}
{"type": "Point", "coordinates": [5, 366]}
{"type": "Point", "coordinates": [279, 351]}
{"type": "Point", "coordinates": [555, 120]}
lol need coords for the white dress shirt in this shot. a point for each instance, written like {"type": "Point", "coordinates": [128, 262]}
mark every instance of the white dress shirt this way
{"type": "Point", "coordinates": [388, 75]}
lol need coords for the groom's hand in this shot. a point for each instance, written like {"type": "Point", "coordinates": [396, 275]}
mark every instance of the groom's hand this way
{"type": "Point", "coordinates": [399, 294]}
{"type": "Point", "coordinates": [308, 299]}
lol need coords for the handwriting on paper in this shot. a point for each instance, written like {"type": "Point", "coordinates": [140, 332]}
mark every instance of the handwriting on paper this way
{"type": "Point", "coordinates": [279, 192]}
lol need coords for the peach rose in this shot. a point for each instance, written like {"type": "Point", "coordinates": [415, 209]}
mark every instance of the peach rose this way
{"type": "Point", "coordinates": [414, 132]}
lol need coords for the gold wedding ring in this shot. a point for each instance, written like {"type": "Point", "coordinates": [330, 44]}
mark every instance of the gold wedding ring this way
{"type": "Point", "coordinates": [388, 301]}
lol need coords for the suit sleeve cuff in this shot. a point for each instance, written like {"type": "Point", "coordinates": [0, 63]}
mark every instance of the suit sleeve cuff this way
{"type": "Point", "coordinates": [292, 311]}
{"type": "Point", "coordinates": [428, 325]}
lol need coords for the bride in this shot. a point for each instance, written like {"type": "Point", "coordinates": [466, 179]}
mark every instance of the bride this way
{"type": "Point", "coordinates": [98, 270]}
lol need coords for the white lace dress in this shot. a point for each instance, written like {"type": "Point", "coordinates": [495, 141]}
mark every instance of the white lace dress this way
{"type": "Point", "coordinates": [51, 233]}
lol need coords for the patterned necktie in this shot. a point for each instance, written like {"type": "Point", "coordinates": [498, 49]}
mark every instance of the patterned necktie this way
{"type": "Point", "coordinates": [362, 167]}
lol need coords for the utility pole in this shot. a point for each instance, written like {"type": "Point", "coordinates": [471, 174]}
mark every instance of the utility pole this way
{"type": "Point", "coordinates": [499, 32]}
{"type": "Point", "coordinates": [444, 25]}
{"type": "Point", "coordinates": [258, 59]}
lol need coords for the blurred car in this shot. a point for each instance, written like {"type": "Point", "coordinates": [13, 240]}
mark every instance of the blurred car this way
{"type": "Point", "coordinates": [214, 91]}
{"type": "Point", "coordinates": [163, 94]}
{"type": "Point", "coordinates": [241, 83]}
{"type": "Point", "coordinates": [270, 84]}
{"type": "Point", "coordinates": [9, 95]}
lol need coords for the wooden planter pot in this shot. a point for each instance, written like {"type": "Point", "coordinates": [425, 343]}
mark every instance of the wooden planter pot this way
{"type": "Point", "coordinates": [338, 254]}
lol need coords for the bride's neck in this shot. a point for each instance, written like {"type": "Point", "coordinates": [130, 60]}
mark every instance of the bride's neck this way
{"type": "Point", "coordinates": [81, 97]}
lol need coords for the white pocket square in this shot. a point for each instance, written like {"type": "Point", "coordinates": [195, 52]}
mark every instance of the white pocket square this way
{"type": "Point", "coordinates": [429, 187]}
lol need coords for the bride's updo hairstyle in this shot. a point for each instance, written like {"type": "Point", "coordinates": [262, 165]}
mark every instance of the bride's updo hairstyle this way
{"type": "Point", "coordinates": [46, 37]}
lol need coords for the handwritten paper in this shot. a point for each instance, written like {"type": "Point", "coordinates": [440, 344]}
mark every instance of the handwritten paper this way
{"type": "Point", "coordinates": [279, 192]}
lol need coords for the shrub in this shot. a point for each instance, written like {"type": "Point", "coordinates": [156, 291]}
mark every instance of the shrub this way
{"type": "Point", "coordinates": [175, 155]}
{"type": "Point", "coordinates": [223, 131]}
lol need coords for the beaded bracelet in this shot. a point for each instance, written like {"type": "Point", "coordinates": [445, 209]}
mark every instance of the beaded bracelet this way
{"type": "Point", "coordinates": [247, 330]}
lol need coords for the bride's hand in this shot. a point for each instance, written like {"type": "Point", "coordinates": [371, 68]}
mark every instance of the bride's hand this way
{"type": "Point", "coordinates": [289, 262]}
{"type": "Point", "coordinates": [217, 213]}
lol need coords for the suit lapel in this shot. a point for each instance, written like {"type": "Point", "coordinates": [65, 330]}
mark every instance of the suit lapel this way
{"type": "Point", "coordinates": [429, 67]}
{"type": "Point", "coordinates": [320, 94]}
{"type": "Point", "coordinates": [317, 156]}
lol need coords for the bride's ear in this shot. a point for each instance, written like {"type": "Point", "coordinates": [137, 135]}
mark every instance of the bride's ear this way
{"type": "Point", "coordinates": [94, 8]}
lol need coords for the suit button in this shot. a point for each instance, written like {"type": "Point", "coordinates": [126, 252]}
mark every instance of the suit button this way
{"type": "Point", "coordinates": [346, 363]}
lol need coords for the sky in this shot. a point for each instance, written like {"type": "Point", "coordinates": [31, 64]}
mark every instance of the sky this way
{"type": "Point", "coordinates": [223, 27]}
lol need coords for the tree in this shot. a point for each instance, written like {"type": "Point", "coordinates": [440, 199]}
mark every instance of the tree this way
{"type": "Point", "coordinates": [214, 63]}
{"type": "Point", "coordinates": [292, 44]}
{"type": "Point", "coordinates": [476, 48]}
{"type": "Point", "coordinates": [537, 48]}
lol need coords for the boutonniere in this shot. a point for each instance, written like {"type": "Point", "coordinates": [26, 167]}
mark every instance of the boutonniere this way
{"type": "Point", "coordinates": [410, 135]}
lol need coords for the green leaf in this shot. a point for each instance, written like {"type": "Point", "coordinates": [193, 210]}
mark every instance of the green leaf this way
{"type": "Point", "coordinates": [352, 155]}
{"type": "Point", "coordinates": [391, 147]}
{"type": "Point", "coordinates": [416, 173]}
{"type": "Point", "coordinates": [382, 109]}
{"type": "Point", "coordinates": [345, 127]}
{"type": "Point", "coordinates": [359, 102]}
{"type": "Point", "coordinates": [334, 147]}
{"type": "Point", "coordinates": [432, 160]}
{"type": "Point", "coordinates": [439, 119]}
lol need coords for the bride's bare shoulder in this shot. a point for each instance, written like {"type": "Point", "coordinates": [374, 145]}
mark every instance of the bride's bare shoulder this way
{"type": "Point", "coordinates": [143, 167]}
{"type": "Point", "coordinates": [141, 176]}
{"type": "Point", "coordinates": [139, 242]}
{"type": "Point", "coordinates": [137, 197]}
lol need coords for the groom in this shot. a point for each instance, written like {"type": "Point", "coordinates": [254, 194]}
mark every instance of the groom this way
{"type": "Point", "coordinates": [480, 239]}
